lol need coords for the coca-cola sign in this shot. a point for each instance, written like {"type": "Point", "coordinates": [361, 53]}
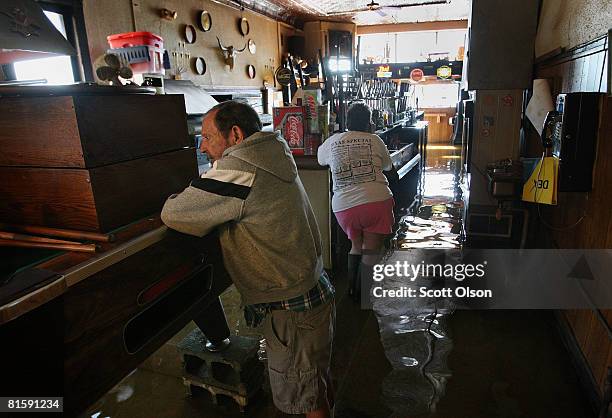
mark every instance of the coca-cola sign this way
{"type": "Point", "coordinates": [293, 130]}
{"type": "Point", "coordinates": [289, 120]}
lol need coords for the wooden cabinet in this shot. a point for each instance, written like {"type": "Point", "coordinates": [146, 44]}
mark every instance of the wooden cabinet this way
{"type": "Point", "coordinates": [90, 130]}
{"type": "Point", "coordinates": [110, 311]}
{"type": "Point", "coordinates": [91, 162]}
{"type": "Point", "coordinates": [97, 199]}
{"type": "Point", "coordinates": [500, 44]}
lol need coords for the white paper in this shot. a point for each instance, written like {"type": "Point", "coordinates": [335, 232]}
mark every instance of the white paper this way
{"type": "Point", "coordinates": [540, 104]}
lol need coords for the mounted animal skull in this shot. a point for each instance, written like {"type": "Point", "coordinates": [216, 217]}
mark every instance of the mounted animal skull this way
{"type": "Point", "coordinates": [229, 53]}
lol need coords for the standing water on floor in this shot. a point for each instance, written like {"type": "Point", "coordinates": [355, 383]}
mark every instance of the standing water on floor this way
{"type": "Point", "coordinates": [415, 332]}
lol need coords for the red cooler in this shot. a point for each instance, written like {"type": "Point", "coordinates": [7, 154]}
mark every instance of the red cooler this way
{"type": "Point", "coordinates": [144, 51]}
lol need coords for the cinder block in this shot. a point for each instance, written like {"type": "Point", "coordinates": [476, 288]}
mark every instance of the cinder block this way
{"type": "Point", "coordinates": [235, 372]}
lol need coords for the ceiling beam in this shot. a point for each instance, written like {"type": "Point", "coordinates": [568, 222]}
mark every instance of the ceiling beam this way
{"type": "Point", "coordinates": [412, 27]}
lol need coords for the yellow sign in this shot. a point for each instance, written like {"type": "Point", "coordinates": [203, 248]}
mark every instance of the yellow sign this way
{"type": "Point", "coordinates": [384, 71]}
{"type": "Point", "coordinates": [444, 71]}
{"type": "Point", "coordinates": [542, 184]}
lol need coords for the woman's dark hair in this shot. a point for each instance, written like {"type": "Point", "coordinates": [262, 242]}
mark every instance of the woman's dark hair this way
{"type": "Point", "coordinates": [232, 113]}
{"type": "Point", "coordinates": [358, 117]}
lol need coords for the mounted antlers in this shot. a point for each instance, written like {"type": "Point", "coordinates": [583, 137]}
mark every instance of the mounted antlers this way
{"type": "Point", "coordinates": [229, 53]}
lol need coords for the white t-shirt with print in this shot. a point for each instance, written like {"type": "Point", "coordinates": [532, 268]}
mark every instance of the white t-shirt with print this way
{"type": "Point", "coordinates": [356, 160]}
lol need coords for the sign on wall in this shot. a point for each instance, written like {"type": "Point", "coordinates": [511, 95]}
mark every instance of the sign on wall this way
{"type": "Point", "coordinates": [417, 74]}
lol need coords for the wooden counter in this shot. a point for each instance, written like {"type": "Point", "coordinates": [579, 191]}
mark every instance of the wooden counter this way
{"type": "Point", "coordinates": [308, 162]}
{"type": "Point", "coordinates": [440, 130]}
{"type": "Point", "coordinates": [317, 183]}
{"type": "Point", "coordinates": [103, 314]}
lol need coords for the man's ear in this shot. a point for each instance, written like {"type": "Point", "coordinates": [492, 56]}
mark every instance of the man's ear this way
{"type": "Point", "coordinates": [237, 135]}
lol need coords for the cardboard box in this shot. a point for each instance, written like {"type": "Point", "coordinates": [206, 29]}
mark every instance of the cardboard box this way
{"type": "Point", "coordinates": [289, 120]}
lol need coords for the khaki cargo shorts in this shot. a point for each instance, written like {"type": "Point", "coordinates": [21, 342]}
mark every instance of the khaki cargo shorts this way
{"type": "Point", "coordinates": [299, 346]}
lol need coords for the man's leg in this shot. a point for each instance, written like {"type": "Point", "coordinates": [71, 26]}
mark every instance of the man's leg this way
{"type": "Point", "coordinates": [299, 353]}
{"type": "Point", "coordinates": [213, 324]}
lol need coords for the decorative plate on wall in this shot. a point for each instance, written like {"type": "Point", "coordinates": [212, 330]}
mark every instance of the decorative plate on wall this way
{"type": "Point", "coordinates": [252, 46]}
{"type": "Point", "coordinates": [190, 34]}
{"type": "Point", "coordinates": [250, 71]}
{"type": "Point", "coordinates": [199, 65]}
{"type": "Point", "coordinates": [244, 27]}
{"type": "Point", "coordinates": [205, 21]}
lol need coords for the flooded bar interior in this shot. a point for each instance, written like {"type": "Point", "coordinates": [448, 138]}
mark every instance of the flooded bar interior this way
{"type": "Point", "coordinates": [366, 209]}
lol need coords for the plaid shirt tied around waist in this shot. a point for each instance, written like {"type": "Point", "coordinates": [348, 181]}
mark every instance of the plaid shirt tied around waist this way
{"type": "Point", "coordinates": [322, 292]}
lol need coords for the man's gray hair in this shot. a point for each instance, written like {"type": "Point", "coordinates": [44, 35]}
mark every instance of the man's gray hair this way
{"type": "Point", "coordinates": [236, 113]}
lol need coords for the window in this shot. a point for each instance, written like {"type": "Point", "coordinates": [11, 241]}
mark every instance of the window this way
{"type": "Point", "coordinates": [378, 47]}
{"type": "Point", "coordinates": [444, 94]}
{"type": "Point", "coordinates": [56, 70]}
{"type": "Point", "coordinates": [417, 46]}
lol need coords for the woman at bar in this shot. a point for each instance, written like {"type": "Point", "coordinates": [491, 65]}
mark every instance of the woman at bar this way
{"type": "Point", "coordinates": [362, 201]}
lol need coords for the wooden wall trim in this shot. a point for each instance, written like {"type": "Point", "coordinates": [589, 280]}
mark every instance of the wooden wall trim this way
{"type": "Point", "coordinates": [561, 55]}
{"type": "Point", "coordinates": [412, 27]}
{"type": "Point", "coordinates": [585, 375]}
{"type": "Point", "coordinates": [279, 46]}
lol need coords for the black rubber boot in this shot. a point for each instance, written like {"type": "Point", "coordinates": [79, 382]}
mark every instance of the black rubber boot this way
{"type": "Point", "coordinates": [366, 283]}
{"type": "Point", "coordinates": [353, 273]}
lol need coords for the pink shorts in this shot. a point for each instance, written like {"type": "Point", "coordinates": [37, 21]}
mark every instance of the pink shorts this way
{"type": "Point", "coordinates": [374, 217]}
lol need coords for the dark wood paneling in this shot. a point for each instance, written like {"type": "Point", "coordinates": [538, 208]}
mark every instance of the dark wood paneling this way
{"type": "Point", "coordinates": [32, 345]}
{"type": "Point", "coordinates": [89, 131]}
{"type": "Point", "coordinates": [121, 128]}
{"type": "Point", "coordinates": [581, 326]}
{"type": "Point", "coordinates": [100, 199]}
{"type": "Point", "coordinates": [77, 340]}
{"type": "Point", "coordinates": [596, 350]}
{"type": "Point", "coordinates": [595, 230]}
{"type": "Point", "coordinates": [581, 70]}
{"type": "Point", "coordinates": [39, 132]}
{"type": "Point", "coordinates": [134, 189]}
{"type": "Point", "coordinates": [592, 338]}
{"type": "Point", "coordinates": [570, 315]}
{"type": "Point", "coordinates": [96, 311]}
{"type": "Point", "coordinates": [52, 197]}
{"type": "Point", "coordinates": [578, 360]}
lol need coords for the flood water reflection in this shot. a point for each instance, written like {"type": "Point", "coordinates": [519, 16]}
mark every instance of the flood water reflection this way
{"type": "Point", "coordinates": [415, 333]}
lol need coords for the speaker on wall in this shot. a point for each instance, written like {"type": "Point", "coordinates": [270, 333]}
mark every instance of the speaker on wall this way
{"type": "Point", "coordinates": [340, 43]}
{"type": "Point", "coordinates": [296, 45]}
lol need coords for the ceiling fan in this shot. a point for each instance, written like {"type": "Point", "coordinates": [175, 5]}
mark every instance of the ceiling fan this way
{"type": "Point", "coordinates": [374, 6]}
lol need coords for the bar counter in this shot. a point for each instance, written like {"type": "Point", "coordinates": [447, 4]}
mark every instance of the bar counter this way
{"type": "Point", "coordinates": [96, 317]}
